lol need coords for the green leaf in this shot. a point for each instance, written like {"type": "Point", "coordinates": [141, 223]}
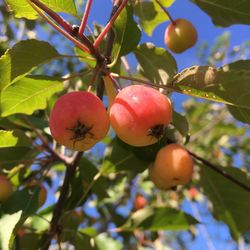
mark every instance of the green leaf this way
{"type": "Point", "coordinates": [118, 158]}
{"type": "Point", "coordinates": [226, 85]}
{"type": "Point", "coordinates": [11, 157]}
{"type": "Point", "coordinates": [7, 225]}
{"type": "Point", "coordinates": [147, 154]}
{"type": "Point", "coordinates": [180, 123]}
{"type": "Point", "coordinates": [194, 81]}
{"type": "Point", "coordinates": [22, 58]}
{"type": "Point", "coordinates": [159, 218]}
{"type": "Point", "coordinates": [156, 64]}
{"type": "Point", "coordinates": [240, 114]}
{"type": "Point", "coordinates": [234, 87]}
{"type": "Point", "coordinates": [26, 200]}
{"type": "Point", "coordinates": [30, 241]}
{"type": "Point", "coordinates": [69, 223]}
{"type": "Point", "coordinates": [226, 12]}
{"type": "Point", "coordinates": [14, 138]}
{"type": "Point", "coordinates": [237, 65]}
{"type": "Point", "coordinates": [88, 171]}
{"type": "Point", "coordinates": [28, 95]}
{"type": "Point", "coordinates": [105, 242]}
{"type": "Point", "coordinates": [41, 224]}
{"type": "Point", "coordinates": [126, 29]}
{"type": "Point", "coordinates": [230, 201]}
{"type": "Point", "coordinates": [85, 57]}
{"type": "Point", "coordinates": [82, 241]}
{"type": "Point", "coordinates": [150, 14]}
{"type": "Point", "coordinates": [22, 8]}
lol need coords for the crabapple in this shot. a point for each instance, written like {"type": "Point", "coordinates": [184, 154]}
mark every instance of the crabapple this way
{"type": "Point", "coordinates": [140, 114]}
{"type": "Point", "coordinates": [6, 188]}
{"type": "Point", "coordinates": [139, 202]}
{"type": "Point", "coordinates": [173, 166]}
{"type": "Point", "coordinates": [180, 35]}
{"type": "Point", "coordinates": [79, 120]}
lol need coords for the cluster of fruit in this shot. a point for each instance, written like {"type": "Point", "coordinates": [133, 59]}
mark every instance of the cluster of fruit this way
{"type": "Point", "coordinates": [139, 115]}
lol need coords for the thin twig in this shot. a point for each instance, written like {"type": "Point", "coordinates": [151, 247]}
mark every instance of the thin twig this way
{"type": "Point", "coordinates": [166, 12]}
{"type": "Point", "coordinates": [60, 20]}
{"type": "Point", "coordinates": [45, 143]}
{"type": "Point", "coordinates": [63, 32]}
{"type": "Point", "coordinates": [110, 23]}
{"type": "Point", "coordinates": [85, 17]}
{"type": "Point", "coordinates": [220, 171]}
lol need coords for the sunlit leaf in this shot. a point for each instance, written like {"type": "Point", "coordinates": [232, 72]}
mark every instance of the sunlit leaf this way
{"type": "Point", "coordinates": [7, 225]}
{"type": "Point", "coordinates": [28, 95]}
{"type": "Point", "coordinates": [105, 242]}
{"type": "Point", "coordinates": [150, 14]}
{"type": "Point", "coordinates": [156, 64]}
{"type": "Point", "coordinates": [14, 138]}
{"type": "Point", "coordinates": [228, 85]}
{"type": "Point", "coordinates": [22, 58]}
{"type": "Point", "coordinates": [22, 8]}
{"type": "Point", "coordinates": [85, 57]}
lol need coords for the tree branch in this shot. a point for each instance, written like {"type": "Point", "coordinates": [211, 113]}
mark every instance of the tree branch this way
{"type": "Point", "coordinates": [54, 227]}
{"type": "Point", "coordinates": [220, 171]}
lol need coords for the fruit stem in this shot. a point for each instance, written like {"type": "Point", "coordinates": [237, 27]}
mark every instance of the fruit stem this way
{"type": "Point", "coordinates": [220, 171]}
{"type": "Point", "coordinates": [67, 35]}
{"type": "Point", "coordinates": [85, 17]}
{"type": "Point", "coordinates": [109, 24]}
{"type": "Point", "coordinates": [166, 12]}
{"type": "Point", "coordinates": [115, 83]}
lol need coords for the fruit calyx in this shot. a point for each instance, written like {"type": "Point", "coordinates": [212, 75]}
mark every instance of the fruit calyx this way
{"type": "Point", "coordinates": [80, 131]}
{"type": "Point", "coordinates": [157, 131]}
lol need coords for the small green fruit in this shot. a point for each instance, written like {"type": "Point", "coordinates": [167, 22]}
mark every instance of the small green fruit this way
{"type": "Point", "coordinates": [180, 35]}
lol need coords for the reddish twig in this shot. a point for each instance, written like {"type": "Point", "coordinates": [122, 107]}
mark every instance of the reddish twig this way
{"type": "Point", "coordinates": [85, 17]}
{"type": "Point", "coordinates": [63, 32]}
{"type": "Point", "coordinates": [109, 24]}
{"type": "Point", "coordinates": [60, 20]}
